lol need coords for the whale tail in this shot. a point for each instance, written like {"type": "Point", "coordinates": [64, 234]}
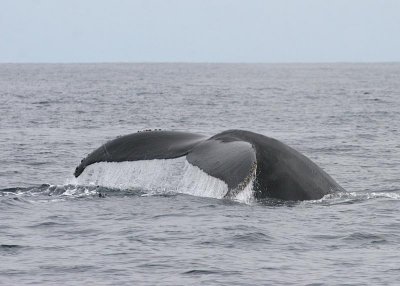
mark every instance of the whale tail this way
{"type": "Point", "coordinates": [235, 157]}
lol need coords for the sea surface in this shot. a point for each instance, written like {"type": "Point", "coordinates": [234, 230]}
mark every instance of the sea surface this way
{"type": "Point", "coordinates": [147, 230]}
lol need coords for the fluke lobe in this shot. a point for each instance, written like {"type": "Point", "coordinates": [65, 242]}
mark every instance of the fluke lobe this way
{"type": "Point", "coordinates": [236, 157]}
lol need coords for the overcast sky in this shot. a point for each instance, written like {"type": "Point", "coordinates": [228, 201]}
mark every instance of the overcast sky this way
{"type": "Point", "coordinates": [199, 30]}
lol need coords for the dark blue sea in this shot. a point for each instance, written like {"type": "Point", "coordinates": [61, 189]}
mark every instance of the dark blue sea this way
{"type": "Point", "coordinates": [144, 224]}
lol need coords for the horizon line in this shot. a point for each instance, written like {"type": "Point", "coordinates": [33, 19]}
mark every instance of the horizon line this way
{"type": "Point", "coordinates": [204, 62]}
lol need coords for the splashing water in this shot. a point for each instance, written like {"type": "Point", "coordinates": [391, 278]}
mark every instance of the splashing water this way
{"type": "Point", "coordinates": [172, 175]}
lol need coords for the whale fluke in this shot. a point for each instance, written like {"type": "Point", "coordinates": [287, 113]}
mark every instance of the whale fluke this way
{"type": "Point", "coordinates": [236, 157]}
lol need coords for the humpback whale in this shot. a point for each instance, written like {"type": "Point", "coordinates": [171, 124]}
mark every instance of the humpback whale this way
{"type": "Point", "coordinates": [237, 157]}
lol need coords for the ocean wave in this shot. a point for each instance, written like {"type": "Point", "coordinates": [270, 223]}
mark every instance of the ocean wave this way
{"type": "Point", "coordinates": [53, 193]}
{"type": "Point", "coordinates": [342, 198]}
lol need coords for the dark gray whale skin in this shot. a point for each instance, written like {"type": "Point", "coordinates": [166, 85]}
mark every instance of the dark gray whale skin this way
{"type": "Point", "coordinates": [234, 156]}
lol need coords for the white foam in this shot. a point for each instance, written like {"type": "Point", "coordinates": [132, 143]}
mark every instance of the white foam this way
{"type": "Point", "coordinates": [176, 175]}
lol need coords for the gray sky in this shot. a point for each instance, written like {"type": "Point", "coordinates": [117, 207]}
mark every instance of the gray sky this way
{"type": "Point", "coordinates": [199, 30]}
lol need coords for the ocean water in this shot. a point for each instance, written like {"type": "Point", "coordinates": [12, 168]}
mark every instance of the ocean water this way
{"type": "Point", "coordinates": [163, 223]}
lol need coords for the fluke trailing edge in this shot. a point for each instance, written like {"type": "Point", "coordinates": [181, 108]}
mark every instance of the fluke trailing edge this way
{"type": "Point", "coordinates": [236, 157]}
